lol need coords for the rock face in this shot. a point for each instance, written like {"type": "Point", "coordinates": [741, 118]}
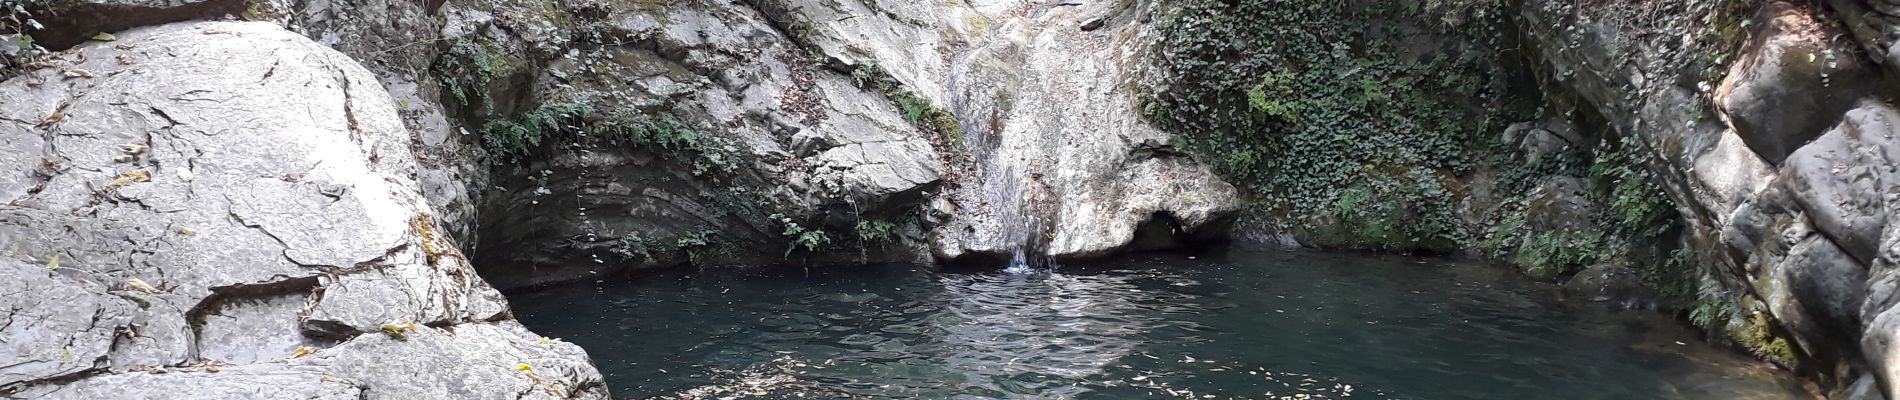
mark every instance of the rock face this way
{"type": "Point", "coordinates": [703, 135]}
{"type": "Point", "coordinates": [773, 132]}
{"type": "Point", "coordinates": [230, 210]}
{"type": "Point", "coordinates": [1069, 169]}
{"type": "Point", "coordinates": [1787, 182]}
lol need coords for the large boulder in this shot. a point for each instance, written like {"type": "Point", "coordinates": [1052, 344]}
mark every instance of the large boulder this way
{"type": "Point", "coordinates": [230, 210]}
{"type": "Point", "coordinates": [1791, 83]}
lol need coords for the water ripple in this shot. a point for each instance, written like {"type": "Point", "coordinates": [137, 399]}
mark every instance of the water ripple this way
{"type": "Point", "coordinates": [1246, 326]}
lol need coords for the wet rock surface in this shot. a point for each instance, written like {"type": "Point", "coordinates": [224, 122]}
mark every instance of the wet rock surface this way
{"type": "Point", "coordinates": [174, 220]}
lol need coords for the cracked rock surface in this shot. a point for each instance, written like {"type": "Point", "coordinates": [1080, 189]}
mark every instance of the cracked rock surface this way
{"type": "Point", "coordinates": [230, 210]}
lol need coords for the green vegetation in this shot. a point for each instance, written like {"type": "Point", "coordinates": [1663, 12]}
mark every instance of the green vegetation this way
{"type": "Point", "coordinates": [511, 138]}
{"type": "Point", "coordinates": [1357, 132]}
{"type": "Point", "coordinates": [17, 47]}
{"type": "Point", "coordinates": [636, 248]}
{"type": "Point", "coordinates": [1322, 110]}
{"type": "Point", "coordinates": [810, 239]}
{"type": "Point", "coordinates": [917, 110]}
{"type": "Point", "coordinates": [876, 231]}
{"type": "Point", "coordinates": [1757, 335]}
{"type": "Point", "coordinates": [1723, 30]}
{"type": "Point", "coordinates": [467, 70]}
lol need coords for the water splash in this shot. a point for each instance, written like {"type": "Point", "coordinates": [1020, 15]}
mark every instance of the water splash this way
{"type": "Point", "coordinates": [1018, 265]}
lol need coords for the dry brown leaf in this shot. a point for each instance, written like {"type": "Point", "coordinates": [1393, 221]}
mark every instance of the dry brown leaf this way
{"type": "Point", "coordinates": [53, 119]}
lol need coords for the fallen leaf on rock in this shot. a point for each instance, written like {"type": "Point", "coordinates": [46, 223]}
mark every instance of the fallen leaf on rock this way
{"type": "Point", "coordinates": [77, 73]}
{"type": "Point", "coordinates": [52, 119]}
{"type": "Point", "coordinates": [54, 263]}
{"type": "Point", "coordinates": [303, 351]}
{"type": "Point", "coordinates": [140, 285]}
{"type": "Point", "coordinates": [522, 367]}
{"type": "Point", "coordinates": [187, 231]}
{"type": "Point", "coordinates": [137, 175]}
{"type": "Point", "coordinates": [133, 148]}
{"type": "Point", "coordinates": [327, 378]}
{"type": "Point", "coordinates": [104, 37]}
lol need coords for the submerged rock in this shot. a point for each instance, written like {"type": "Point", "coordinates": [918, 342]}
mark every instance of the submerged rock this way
{"type": "Point", "coordinates": [228, 209]}
{"type": "Point", "coordinates": [1614, 283]}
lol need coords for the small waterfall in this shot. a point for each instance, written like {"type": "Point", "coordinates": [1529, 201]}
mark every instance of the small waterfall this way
{"type": "Point", "coordinates": [979, 99]}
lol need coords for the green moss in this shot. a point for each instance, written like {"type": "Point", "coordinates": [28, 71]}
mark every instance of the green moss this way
{"type": "Point", "coordinates": [1757, 335]}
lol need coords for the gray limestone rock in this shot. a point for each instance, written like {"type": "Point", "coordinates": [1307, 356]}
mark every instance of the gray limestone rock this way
{"type": "Point", "coordinates": [183, 212]}
{"type": "Point", "coordinates": [1068, 168]}
{"type": "Point", "coordinates": [1791, 83]}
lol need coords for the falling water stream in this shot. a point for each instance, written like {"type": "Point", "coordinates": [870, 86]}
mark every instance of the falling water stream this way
{"type": "Point", "coordinates": [1001, 164]}
{"type": "Point", "coordinates": [1213, 326]}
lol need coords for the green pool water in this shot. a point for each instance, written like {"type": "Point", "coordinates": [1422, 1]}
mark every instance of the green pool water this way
{"type": "Point", "coordinates": [1213, 326]}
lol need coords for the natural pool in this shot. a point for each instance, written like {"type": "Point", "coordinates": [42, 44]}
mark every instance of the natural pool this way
{"type": "Point", "coordinates": [1232, 325]}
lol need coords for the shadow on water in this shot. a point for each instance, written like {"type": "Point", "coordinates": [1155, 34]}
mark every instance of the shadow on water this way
{"type": "Point", "coordinates": [1237, 325]}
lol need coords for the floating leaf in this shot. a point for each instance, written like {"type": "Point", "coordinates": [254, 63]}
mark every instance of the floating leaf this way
{"type": "Point", "coordinates": [104, 37]}
{"type": "Point", "coordinates": [77, 73]}
{"type": "Point", "coordinates": [133, 148]}
{"type": "Point", "coordinates": [54, 263]}
{"type": "Point", "coordinates": [187, 231]}
{"type": "Point", "coordinates": [544, 339]}
{"type": "Point", "coordinates": [522, 367]}
{"type": "Point", "coordinates": [304, 351]}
